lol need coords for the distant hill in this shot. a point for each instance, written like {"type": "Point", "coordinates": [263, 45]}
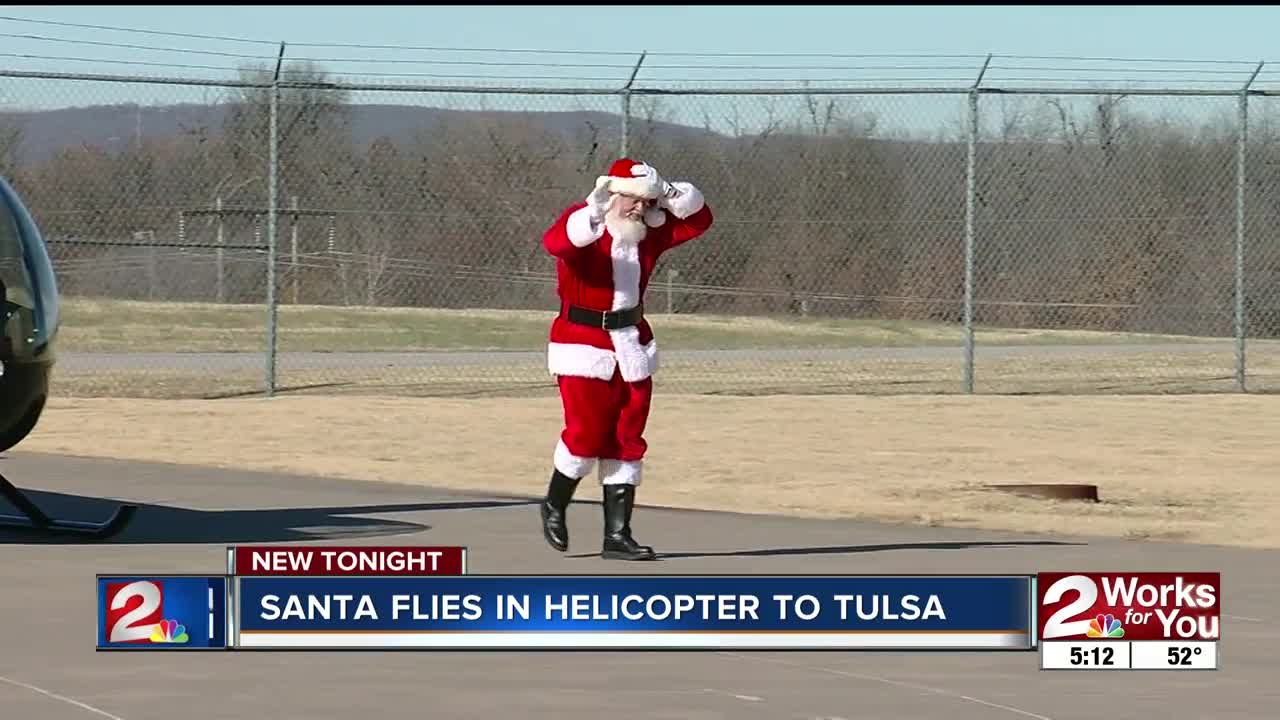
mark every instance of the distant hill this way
{"type": "Point", "coordinates": [118, 126]}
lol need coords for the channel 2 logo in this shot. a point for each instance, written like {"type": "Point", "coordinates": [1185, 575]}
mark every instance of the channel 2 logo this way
{"type": "Point", "coordinates": [1128, 606]}
{"type": "Point", "coordinates": [161, 612]}
{"type": "Point", "coordinates": [135, 613]}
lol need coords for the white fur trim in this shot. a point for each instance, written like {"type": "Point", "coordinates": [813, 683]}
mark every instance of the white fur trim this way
{"type": "Point", "coordinates": [635, 361]}
{"type": "Point", "coordinates": [618, 472]}
{"type": "Point", "coordinates": [626, 275]}
{"type": "Point", "coordinates": [579, 229]}
{"type": "Point", "coordinates": [572, 465]}
{"type": "Point", "coordinates": [580, 360]}
{"type": "Point", "coordinates": [638, 186]}
{"type": "Point", "coordinates": [655, 217]}
{"type": "Point", "coordinates": [687, 201]}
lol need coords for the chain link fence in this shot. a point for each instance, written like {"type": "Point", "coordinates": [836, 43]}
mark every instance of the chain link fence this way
{"type": "Point", "coordinates": [223, 238]}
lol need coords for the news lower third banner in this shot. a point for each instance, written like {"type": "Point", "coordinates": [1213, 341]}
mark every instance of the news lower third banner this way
{"type": "Point", "coordinates": [634, 612]}
{"type": "Point", "coordinates": [175, 612]}
{"type": "Point", "coordinates": [284, 597]}
{"type": "Point", "coordinates": [374, 597]}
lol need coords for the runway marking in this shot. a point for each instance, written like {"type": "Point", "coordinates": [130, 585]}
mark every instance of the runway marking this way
{"type": "Point", "coordinates": [748, 698]}
{"type": "Point", "coordinates": [648, 691]}
{"type": "Point", "coordinates": [887, 681]}
{"type": "Point", "coordinates": [61, 698]}
{"type": "Point", "coordinates": [642, 691]}
{"type": "Point", "coordinates": [1243, 618]}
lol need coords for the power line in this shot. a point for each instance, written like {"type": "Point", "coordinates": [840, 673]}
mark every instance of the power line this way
{"type": "Point", "coordinates": [439, 48]}
{"type": "Point", "coordinates": [130, 46]}
{"type": "Point", "coordinates": [273, 43]}
{"type": "Point", "coordinates": [181, 66]}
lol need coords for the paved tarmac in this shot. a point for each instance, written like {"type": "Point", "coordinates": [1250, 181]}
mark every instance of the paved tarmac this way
{"type": "Point", "coordinates": [49, 669]}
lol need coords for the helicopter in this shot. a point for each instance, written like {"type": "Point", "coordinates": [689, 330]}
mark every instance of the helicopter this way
{"type": "Point", "coordinates": [30, 315]}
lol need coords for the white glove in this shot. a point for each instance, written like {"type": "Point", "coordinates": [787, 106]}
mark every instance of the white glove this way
{"type": "Point", "coordinates": [598, 200]}
{"type": "Point", "coordinates": [663, 189]}
{"type": "Point", "coordinates": [650, 174]}
{"type": "Point", "coordinates": [669, 192]}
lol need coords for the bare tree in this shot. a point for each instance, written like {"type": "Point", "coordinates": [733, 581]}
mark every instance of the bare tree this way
{"type": "Point", "coordinates": [10, 140]}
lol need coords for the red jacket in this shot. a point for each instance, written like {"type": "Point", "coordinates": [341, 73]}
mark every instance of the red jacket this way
{"type": "Point", "coordinates": [600, 276]}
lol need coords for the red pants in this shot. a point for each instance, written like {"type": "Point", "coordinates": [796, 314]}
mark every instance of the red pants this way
{"type": "Point", "coordinates": [603, 421]}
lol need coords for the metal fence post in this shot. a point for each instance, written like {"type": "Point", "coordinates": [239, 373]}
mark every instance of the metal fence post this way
{"type": "Point", "coordinates": [1241, 141]}
{"type": "Point", "coordinates": [272, 191]}
{"type": "Point", "coordinates": [626, 117]}
{"type": "Point", "coordinates": [221, 257]}
{"type": "Point", "coordinates": [293, 248]}
{"type": "Point", "coordinates": [970, 194]}
{"type": "Point", "coordinates": [625, 144]}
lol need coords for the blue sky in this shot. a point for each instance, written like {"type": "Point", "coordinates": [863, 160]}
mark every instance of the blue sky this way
{"type": "Point", "coordinates": [1161, 41]}
{"type": "Point", "coordinates": [1218, 32]}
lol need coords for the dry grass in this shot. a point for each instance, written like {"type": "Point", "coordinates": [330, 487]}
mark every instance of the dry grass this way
{"type": "Point", "coordinates": [1192, 468]}
{"type": "Point", "coordinates": [101, 325]}
{"type": "Point", "coordinates": [1086, 372]}
{"type": "Point", "coordinates": [1186, 468]}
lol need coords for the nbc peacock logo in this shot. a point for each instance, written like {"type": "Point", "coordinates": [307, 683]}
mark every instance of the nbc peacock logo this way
{"type": "Point", "coordinates": [171, 631]}
{"type": "Point", "coordinates": [1105, 626]}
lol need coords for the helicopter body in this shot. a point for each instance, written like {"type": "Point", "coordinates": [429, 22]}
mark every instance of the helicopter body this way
{"type": "Point", "coordinates": [29, 318]}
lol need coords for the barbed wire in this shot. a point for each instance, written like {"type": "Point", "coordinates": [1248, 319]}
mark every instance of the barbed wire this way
{"type": "Point", "coordinates": [648, 67]}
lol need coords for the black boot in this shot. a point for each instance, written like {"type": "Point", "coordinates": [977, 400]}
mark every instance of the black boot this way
{"type": "Point", "coordinates": [618, 543]}
{"type": "Point", "coordinates": [554, 527]}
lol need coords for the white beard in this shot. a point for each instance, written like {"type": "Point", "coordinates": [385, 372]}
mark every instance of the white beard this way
{"type": "Point", "coordinates": [626, 231]}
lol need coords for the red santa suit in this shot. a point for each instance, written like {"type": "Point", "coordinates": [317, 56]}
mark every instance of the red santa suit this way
{"type": "Point", "coordinates": [604, 364]}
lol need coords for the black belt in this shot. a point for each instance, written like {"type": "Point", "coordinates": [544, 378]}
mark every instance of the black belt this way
{"type": "Point", "coordinates": [614, 320]}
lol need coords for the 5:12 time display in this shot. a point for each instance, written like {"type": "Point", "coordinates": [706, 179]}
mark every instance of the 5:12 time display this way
{"type": "Point", "coordinates": [1097, 655]}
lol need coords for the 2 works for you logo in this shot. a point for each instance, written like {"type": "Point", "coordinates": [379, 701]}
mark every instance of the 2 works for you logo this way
{"type": "Point", "coordinates": [135, 613]}
{"type": "Point", "coordinates": [1105, 626]}
{"type": "Point", "coordinates": [1128, 606]}
{"type": "Point", "coordinates": [168, 631]}
{"type": "Point", "coordinates": [164, 612]}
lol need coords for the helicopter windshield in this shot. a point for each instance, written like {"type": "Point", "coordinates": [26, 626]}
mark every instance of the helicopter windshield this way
{"type": "Point", "coordinates": [29, 310]}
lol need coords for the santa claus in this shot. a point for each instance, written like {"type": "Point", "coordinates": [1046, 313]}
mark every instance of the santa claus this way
{"type": "Point", "coordinates": [602, 350]}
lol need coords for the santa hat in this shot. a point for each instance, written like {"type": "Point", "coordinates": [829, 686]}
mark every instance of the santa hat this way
{"type": "Point", "coordinates": [629, 177]}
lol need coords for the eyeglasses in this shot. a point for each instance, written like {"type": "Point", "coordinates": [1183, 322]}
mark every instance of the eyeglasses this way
{"type": "Point", "coordinates": [643, 201]}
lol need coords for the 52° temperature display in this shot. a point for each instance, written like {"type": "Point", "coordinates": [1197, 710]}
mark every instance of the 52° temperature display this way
{"type": "Point", "coordinates": [1184, 655]}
